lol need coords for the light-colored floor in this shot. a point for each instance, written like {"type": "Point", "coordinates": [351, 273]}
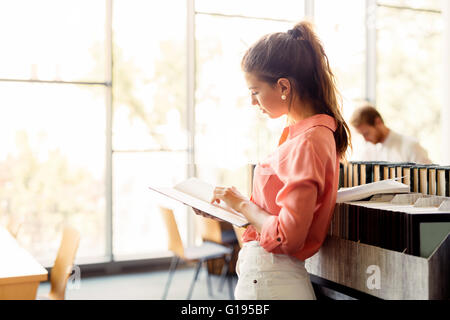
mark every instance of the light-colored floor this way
{"type": "Point", "coordinates": [143, 286]}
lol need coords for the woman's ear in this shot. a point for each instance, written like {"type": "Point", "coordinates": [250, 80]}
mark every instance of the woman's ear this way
{"type": "Point", "coordinates": [285, 86]}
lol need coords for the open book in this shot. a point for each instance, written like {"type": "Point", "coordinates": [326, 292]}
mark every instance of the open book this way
{"type": "Point", "coordinates": [198, 194]}
{"type": "Point", "coordinates": [370, 189]}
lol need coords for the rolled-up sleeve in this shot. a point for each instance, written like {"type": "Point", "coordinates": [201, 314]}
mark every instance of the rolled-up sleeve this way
{"type": "Point", "coordinates": [303, 174]}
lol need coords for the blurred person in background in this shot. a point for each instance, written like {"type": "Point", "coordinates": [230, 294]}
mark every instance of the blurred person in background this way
{"type": "Point", "coordinates": [383, 143]}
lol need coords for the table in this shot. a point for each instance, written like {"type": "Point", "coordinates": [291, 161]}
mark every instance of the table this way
{"type": "Point", "coordinates": [20, 273]}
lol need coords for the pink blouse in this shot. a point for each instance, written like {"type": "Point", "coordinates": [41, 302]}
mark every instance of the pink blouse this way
{"type": "Point", "coordinates": [297, 185]}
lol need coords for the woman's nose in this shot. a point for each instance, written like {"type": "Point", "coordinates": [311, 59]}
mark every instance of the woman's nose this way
{"type": "Point", "coordinates": [254, 101]}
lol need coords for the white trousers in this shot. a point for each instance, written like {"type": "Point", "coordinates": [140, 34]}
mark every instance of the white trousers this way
{"type": "Point", "coordinates": [267, 276]}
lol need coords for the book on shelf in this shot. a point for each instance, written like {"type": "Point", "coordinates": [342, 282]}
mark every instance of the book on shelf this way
{"type": "Point", "coordinates": [442, 181]}
{"type": "Point", "coordinates": [427, 179]}
{"type": "Point", "coordinates": [198, 194]}
{"type": "Point", "coordinates": [369, 189]}
{"type": "Point", "coordinates": [411, 223]}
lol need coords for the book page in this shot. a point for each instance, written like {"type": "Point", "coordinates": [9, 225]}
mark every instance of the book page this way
{"type": "Point", "coordinates": [202, 190]}
{"type": "Point", "coordinates": [189, 191]}
{"type": "Point", "coordinates": [370, 189]}
{"type": "Point", "coordinates": [196, 188]}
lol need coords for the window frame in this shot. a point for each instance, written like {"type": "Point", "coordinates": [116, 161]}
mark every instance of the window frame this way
{"type": "Point", "coordinates": [112, 263]}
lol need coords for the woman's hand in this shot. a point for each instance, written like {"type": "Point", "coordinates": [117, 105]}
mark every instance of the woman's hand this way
{"type": "Point", "coordinates": [231, 196]}
{"type": "Point", "coordinates": [235, 200]}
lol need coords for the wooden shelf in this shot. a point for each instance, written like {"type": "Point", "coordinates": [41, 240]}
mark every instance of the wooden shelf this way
{"type": "Point", "coordinates": [402, 277]}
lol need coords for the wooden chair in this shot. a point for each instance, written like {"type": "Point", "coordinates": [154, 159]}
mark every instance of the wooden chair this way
{"type": "Point", "coordinates": [14, 226]}
{"type": "Point", "coordinates": [239, 232]}
{"type": "Point", "coordinates": [212, 230]}
{"type": "Point", "coordinates": [63, 265]}
{"type": "Point", "coordinates": [200, 254]}
{"type": "Point", "coordinates": [209, 229]}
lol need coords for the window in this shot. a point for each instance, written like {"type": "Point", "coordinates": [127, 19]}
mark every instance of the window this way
{"type": "Point", "coordinates": [264, 9]}
{"type": "Point", "coordinates": [341, 27]}
{"type": "Point", "coordinates": [224, 114]}
{"type": "Point", "coordinates": [421, 5]}
{"type": "Point", "coordinates": [138, 230]}
{"type": "Point", "coordinates": [53, 40]}
{"type": "Point", "coordinates": [409, 59]}
{"type": "Point", "coordinates": [52, 164]}
{"type": "Point", "coordinates": [149, 121]}
{"type": "Point", "coordinates": [230, 132]}
{"type": "Point", "coordinates": [52, 123]}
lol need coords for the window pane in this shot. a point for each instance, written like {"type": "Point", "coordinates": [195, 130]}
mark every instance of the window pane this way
{"type": "Point", "coordinates": [407, 83]}
{"type": "Point", "coordinates": [52, 40]}
{"type": "Point", "coordinates": [137, 226]}
{"type": "Point", "coordinates": [416, 4]}
{"type": "Point", "coordinates": [230, 132]}
{"type": "Point", "coordinates": [342, 31]}
{"type": "Point", "coordinates": [282, 9]}
{"type": "Point", "coordinates": [52, 164]}
{"type": "Point", "coordinates": [149, 75]}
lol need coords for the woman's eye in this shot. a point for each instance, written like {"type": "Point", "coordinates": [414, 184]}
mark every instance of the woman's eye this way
{"type": "Point", "coordinates": [254, 93]}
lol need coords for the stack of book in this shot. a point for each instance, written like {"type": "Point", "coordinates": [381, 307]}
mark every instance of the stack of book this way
{"type": "Point", "coordinates": [411, 223]}
{"type": "Point", "coordinates": [425, 179]}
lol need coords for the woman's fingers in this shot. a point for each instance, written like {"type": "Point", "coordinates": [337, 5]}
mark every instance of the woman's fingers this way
{"type": "Point", "coordinates": [199, 212]}
{"type": "Point", "coordinates": [219, 194]}
{"type": "Point", "coordinates": [226, 194]}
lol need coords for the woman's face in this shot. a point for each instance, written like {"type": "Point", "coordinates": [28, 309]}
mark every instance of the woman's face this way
{"type": "Point", "coordinates": [266, 97]}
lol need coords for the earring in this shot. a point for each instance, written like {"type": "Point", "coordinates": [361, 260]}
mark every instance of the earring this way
{"type": "Point", "coordinates": [283, 97]}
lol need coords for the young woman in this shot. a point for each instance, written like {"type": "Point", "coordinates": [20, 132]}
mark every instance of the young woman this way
{"type": "Point", "coordinates": [295, 188]}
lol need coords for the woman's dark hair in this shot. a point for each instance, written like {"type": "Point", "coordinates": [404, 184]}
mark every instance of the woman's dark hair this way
{"type": "Point", "coordinates": [298, 55]}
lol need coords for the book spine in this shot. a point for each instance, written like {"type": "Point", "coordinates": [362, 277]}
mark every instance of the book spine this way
{"type": "Point", "coordinates": [406, 172]}
{"type": "Point", "coordinates": [416, 179]}
{"type": "Point", "coordinates": [432, 181]}
{"type": "Point", "coordinates": [356, 171]}
{"type": "Point", "coordinates": [423, 180]}
{"type": "Point", "coordinates": [376, 173]}
{"type": "Point", "coordinates": [345, 174]}
{"type": "Point", "coordinates": [363, 174]}
{"type": "Point", "coordinates": [391, 172]}
{"type": "Point", "coordinates": [440, 183]}
{"type": "Point", "coordinates": [399, 174]}
{"type": "Point", "coordinates": [447, 182]}
{"type": "Point", "coordinates": [350, 174]}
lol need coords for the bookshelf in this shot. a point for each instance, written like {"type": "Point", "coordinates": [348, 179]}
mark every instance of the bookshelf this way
{"type": "Point", "coordinates": [402, 276]}
{"type": "Point", "coordinates": [349, 266]}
